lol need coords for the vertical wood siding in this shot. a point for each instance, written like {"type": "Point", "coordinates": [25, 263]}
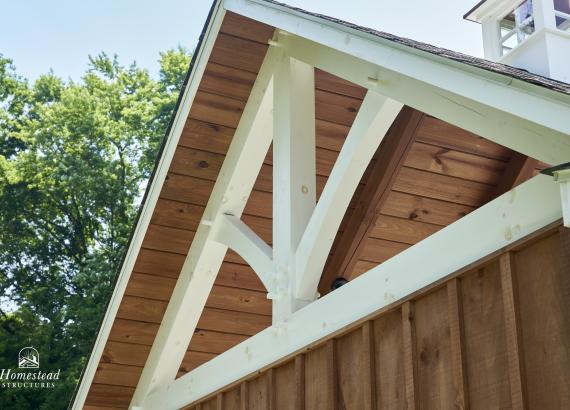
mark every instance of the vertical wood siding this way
{"type": "Point", "coordinates": [496, 336]}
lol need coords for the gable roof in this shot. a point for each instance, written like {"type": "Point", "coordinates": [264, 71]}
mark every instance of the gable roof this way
{"type": "Point", "coordinates": [190, 157]}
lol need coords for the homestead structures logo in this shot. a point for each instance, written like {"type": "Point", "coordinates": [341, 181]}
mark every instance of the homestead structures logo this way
{"type": "Point", "coordinates": [28, 375]}
{"type": "Point", "coordinates": [28, 358]}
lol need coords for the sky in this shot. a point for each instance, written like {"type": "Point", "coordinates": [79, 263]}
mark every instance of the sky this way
{"type": "Point", "coordinates": [40, 35]}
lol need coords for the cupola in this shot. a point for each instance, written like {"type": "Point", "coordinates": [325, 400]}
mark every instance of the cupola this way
{"type": "Point", "coordinates": [532, 34]}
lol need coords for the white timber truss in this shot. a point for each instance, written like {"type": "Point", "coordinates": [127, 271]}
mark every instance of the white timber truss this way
{"type": "Point", "coordinates": [281, 111]}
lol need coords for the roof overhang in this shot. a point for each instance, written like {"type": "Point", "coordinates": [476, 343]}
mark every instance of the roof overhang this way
{"type": "Point", "coordinates": [509, 106]}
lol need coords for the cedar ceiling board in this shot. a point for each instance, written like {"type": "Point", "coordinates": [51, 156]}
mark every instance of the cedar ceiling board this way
{"type": "Point", "coordinates": [213, 118]}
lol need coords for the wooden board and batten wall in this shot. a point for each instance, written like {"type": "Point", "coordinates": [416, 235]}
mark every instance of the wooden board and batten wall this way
{"type": "Point", "coordinates": [496, 336]}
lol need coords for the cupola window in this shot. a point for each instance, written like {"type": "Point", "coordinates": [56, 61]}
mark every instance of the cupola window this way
{"type": "Point", "coordinates": [562, 14]}
{"type": "Point", "coordinates": [516, 26]}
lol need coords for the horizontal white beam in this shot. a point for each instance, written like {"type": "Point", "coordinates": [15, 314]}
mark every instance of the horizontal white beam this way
{"type": "Point", "coordinates": [235, 234]}
{"type": "Point", "coordinates": [512, 216]}
{"type": "Point", "coordinates": [374, 118]}
{"type": "Point", "coordinates": [237, 176]}
{"type": "Point", "coordinates": [519, 115]}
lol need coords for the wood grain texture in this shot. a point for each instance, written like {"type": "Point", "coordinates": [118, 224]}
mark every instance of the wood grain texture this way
{"type": "Point", "coordinates": [513, 332]}
{"type": "Point", "coordinates": [543, 287]}
{"type": "Point", "coordinates": [411, 382]}
{"type": "Point", "coordinates": [457, 339]}
{"type": "Point", "coordinates": [519, 169]}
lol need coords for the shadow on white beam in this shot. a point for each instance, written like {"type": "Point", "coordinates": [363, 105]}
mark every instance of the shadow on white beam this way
{"type": "Point", "coordinates": [509, 218]}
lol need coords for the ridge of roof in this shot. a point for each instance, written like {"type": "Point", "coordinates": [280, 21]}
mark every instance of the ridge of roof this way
{"type": "Point", "coordinates": [498, 68]}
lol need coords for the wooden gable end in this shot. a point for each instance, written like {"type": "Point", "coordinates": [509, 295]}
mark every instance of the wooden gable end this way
{"type": "Point", "coordinates": [443, 174]}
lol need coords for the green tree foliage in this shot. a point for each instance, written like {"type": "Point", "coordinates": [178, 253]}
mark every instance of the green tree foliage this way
{"type": "Point", "coordinates": [74, 158]}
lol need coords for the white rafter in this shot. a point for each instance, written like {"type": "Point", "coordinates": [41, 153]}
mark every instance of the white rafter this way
{"type": "Point", "coordinates": [232, 189]}
{"type": "Point", "coordinates": [232, 232]}
{"type": "Point", "coordinates": [374, 118]}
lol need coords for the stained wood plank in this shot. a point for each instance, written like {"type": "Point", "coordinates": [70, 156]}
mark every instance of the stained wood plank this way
{"type": "Point", "coordinates": [163, 238]}
{"type": "Point", "coordinates": [238, 53]}
{"type": "Point", "coordinates": [214, 342]}
{"type": "Point", "coordinates": [320, 378]}
{"type": "Point", "coordinates": [194, 359]}
{"type": "Point", "coordinates": [216, 109]}
{"type": "Point", "coordinates": [433, 347]}
{"type": "Point", "coordinates": [244, 27]}
{"type": "Point", "coordinates": [440, 133]}
{"type": "Point", "coordinates": [285, 389]}
{"type": "Point", "coordinates": [379, 250]}
{"type": "Point", "coordinates": [117, 374]}
{"type": "Point", "coordinates": [424, 209]}
{"type": "Point", "coordinates": [232, 399]}
{"type": "Point", "coordinates": [242, 300]}
{"type": "Point", "coordinates": [300, 382]}
{"type": "Point", "coordinates": [239, 276]}
{"type": "Point", "coordinates": [543, 287]}
{"type": "Point", "coordinates": [519, 169]}
{"type": "Point", "coordinates": [105, 395]}
{"type": "Point", "coordinates": [513, 332]}
{"type": "Point", "coordinates": [328, 82]}
{"type": "Point", "coordinates": [159, 263]}
{"type": "Point", "coordinates": [125, 353]}
{"type": "Point", "coordinates": [402, 230]}
{"type": "Point", "coordinates": [445, 161]}
{"type": "Point", "coordinates": [176, 214]}
{"type": "Point", "coordinates": [368, 376]}
{"type": "Point", "coordinates": [457, 336]}
{"type": "Point", "coordinates": [391, 375]}
{"type": "Point", "coordinates": [351, 370]}
{"type": "Point", "coordinates": [233, 322]}
{"type": "Point", "coordinates": [410, 356]}
{"type": "Point", "coordinates": [257, 392]}
{"type": "Point", "coordinates": [206, 136]}
{"type": "Point", "coordinates": [485, 340]}
{"type": "Point", "coordinates": [445, 188]}
{"type": "Point", "coordinates": [228, 81]}
{"type": "Point", "coordinates": [336, 108]}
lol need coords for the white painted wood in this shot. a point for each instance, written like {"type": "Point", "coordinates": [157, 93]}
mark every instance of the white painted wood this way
{"type": "Point", "coordinates": [151, 197]}
{"type": "Point", "coordinates": [374, 118]}
{"type": "Point", "coordinates": [234, 184]}
{"type": "Point", "coordinates": [511, 217]}
{"type": "Point", "coordinates": [294, 175]}
{"type": "Point", "coordinates": [522, 116]}
{"type": "Point", "coordinates": [563, 179]}
{"type": "Point", "coordinates": [235, 234]}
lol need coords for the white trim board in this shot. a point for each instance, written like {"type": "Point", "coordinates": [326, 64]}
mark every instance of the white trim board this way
{"type": "Point", "coordinates": [503, 221]}
{"type": "Point", "coordinates": [149, 204]}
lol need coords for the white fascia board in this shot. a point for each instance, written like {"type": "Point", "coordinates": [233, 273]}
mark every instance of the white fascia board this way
{"type": "Point", "coordinates": [522, 116]}
{"type": "Point", "coordinates": [154, 190]}
{"type": "Point", "coordinates": [505, 220]}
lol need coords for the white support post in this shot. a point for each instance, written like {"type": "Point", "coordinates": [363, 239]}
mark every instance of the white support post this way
{"type": "Point", "coordinates": [294, 175]}
{"type": "Point", "coordinates": [235, 234]}
{"type": "Point", "coordinates": [500, 223]}
{"type": "Point", "coordinates": [491, 38]}
{"type": "Point", "coordinates": [234, 184]}
{"type": "Point", "coordinates": [376, 115]}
